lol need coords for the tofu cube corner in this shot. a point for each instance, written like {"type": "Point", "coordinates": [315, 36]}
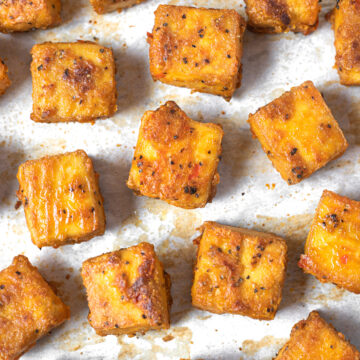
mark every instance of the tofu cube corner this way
{"type": "Point", "coordinates": [239, 271]}
{"type": "Point", "coordinates": [128, 291]}
{"type": "Point", "coordinates": [4, 77]}
{"type": "Point", "coordinates": [176, 158]}
{"type": "Point", "coordinates": [197, 48]}
{"type": "Point", "coordinates": [61, 199]}
{"type": "Point", "coordinates": [72, 82]}
{"type": "Point", "coordinates": [298, 133]}
{"type": "Point", "coordinates": [105, 6]}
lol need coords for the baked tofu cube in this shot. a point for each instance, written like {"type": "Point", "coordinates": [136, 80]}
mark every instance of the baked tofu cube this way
{"type": "Point", "coordinates": [332, 249]}
{"type": "Point", "coordinates": [29, 308]}
{"type": "Point", "coordinates": [128, 291]}
{"type": "Point", "coordinates": [239, 271]}
{"type": "Point", "coordinates": [26, 15]}
{"type": "Point", "coordinates": [314, 338]}
{"type": "Point", "coordinates": [345, 20]}
{"type": "Point", "coordinates": [278, 16]}
{"type": "Point", "coordinates": [197, 48]}
{"type": "Point", "coordinates": [61, 198]}
{"type": "Point", "coordinates": [298, 133]}
{"type": "Point", "coordinates": [4, 78]}
{"type": "Point", "coordinates": [104, 6]}
{"type": "Point", "coordinates": [72, 82]}
{"type": "Point", "coordinates": [176, 158]}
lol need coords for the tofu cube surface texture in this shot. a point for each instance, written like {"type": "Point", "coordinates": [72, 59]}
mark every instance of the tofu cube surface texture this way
{"type": "Point", "coordinates": [239, 271]}
{"type": "Point", "coordinates": [61, 199]}
{"type": "Point", "coordinates": [4, 77]}
{"type": "Point", "coordinates": [197, 48]}
{"type": "Point", "coordinates": [72, 82]}
{"type": "Point", "coordinates": [313, 339]}
{"type": "Point", "coordinates": [105, 6]}
{"type": "Point", "coordinates": [278, 16]}
{"type": "Point", "coordinates": [345, 20]}
{"type": "Point", "coordinates": [29, 308]}
{"type": "Point", "coordinates": [26, 15]}
{"type": "Point", "coordinates": [176, 158]}
{"type": "Point", "coordinates": [298, 133]}
{"type": "Point", "coordinates": [128, 291]}
{"type": "Point", "coordinates": [332, 249]}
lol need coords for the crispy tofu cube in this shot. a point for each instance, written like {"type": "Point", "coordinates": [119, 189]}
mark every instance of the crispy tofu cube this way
{"type": "Point", "coordinates": [72, 82]}
{"type": "Point", "coordinates": [128, 291]}
{"type": "Point", "coordinates": [4, 78]}
{"type": "Point", "coordinates": [197, 48]}
{"type": "Point", "coordinates": [104, 6]}
{"type": "Point", "coordinates": [314, 338]}
{"type": "Point", "coordinates": [29, 308]}
{"type": "Point", "coordinates": [239, 271]}
{"type": "Point", "coordinates": [332, 250]}
{"type": "Point", "coordinates": [26, 15]}
{"type": "Point", "coordinates": [176, 158]}
{"type": "Point", "coordinates": [345, 20]}
{"type": "Point", "coordinates": [61, 199]}
{"type": "Point", "coordinates": [278, 16]}
{"type": "Point", "coordinates": [298, 133]}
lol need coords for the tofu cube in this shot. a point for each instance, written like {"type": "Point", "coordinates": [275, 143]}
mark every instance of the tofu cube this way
{"type": "Point", "coordinates": [332, 249]}
{"type": "Point", "coordinates": [128, 291]}
{"type": "Point", "coordinates": [278, 16]}
{"type": "Point", "coordinates": [345, 19]}
{"type": "Point", "coordinates": [4, 78]}
{"type": "Point", "coordinates": [72, 82]}
{"type": "Point", "coordinates": [314, 338]}
{"type": "Point", "coordinates": [27, 15]}
{"type": "Point", "coordinates": [176, 158]}
{"type": "Point", "coordinates": [239, 271]}
{"type": "Point", "coordinates": [61, 199]}
{"type": "Point", "coordinates": [104, 6]}
{"type": "Point", "coordinates": [298, 133]}
{"type": "Point", "coordinates": [29, 308]}
{"type": "Point", "coordinates": [197, 48]}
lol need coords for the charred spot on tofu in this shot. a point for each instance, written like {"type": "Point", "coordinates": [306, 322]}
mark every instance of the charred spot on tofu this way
{"type": "Point", "coordinates": [298, 133]}
{"type": "Point", "coordinates": [238, 271]}
{"type": "Point", "coordinates": [172, 159]}
{"type": "Point", "coordinates": [128, 291]}
{"type": "Point", "coordinates": [105, 6]}
{"type": "Point", "coordinates": [4, 77]}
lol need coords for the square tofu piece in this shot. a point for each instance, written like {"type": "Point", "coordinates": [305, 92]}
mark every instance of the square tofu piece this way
{"type": "Point", "coordinates": [345, 19]}
{"type": "Point", "coordinates": [72, 82]}
{"type": "Point", "coordinates": [26, 15]}
{"type": "Point", "coordinates": [197, 48]}
{"type": "Point", "coordinates": [313, 339]}
{"type": "Point", "coordinates": [61, 198]}
{"type": "Point", "coordinates": [239, 271]}
{"type": "Point", "coordinates": [298, 133]}
{"type": "Point", "coordinates": [176, 158]}
{"type": "Point", "coordinates": [277, 16]}
{"type": "Point", "coordinates": [332, 249]}
{"type": "Point", "coordinates": [128, 291]}
{"type": "Point", "coordinates": [104, 6]}
{"type": "Point", "coordinates": [29, 308]}
{"type": "Point", "coordinates": [4, 78]}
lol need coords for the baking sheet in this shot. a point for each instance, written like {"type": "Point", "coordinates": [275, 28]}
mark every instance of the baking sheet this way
{"type": "Point", "coordinates": [250, 194]}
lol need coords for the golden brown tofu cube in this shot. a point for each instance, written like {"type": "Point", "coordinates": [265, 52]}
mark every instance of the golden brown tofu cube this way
{"type": "Point", "coordinates": [332, 249]}
{"type": "Point", "coordinates": [61, 199]}
{"type": "Point", "coordinates": [197, 48]}
{"type": "Point", "coordinates": [128, 291]}
{"type": "Point", "coordinates": [26, 15]}
{"type": "Point", "coordinates": [176, 158]}
{"type": "Point", "coordinates": [4, 78]}
{"type": "Point", "coordinates": [239, 271]}
{"type": "Point", "coordinates": [104, 6]}
{"type": "Point", "coordinates": [277, 16]}
{"type": "Point", "coordinates": [72, 82]}
{"type": "Point", "coordinates": [345, 20]}
{"type": "Point", "coordinates": [298, 133]}
{"type": "Point", "coordinates": [313, 339]}
{"type": "Point", "coordinates": [29, 308]}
